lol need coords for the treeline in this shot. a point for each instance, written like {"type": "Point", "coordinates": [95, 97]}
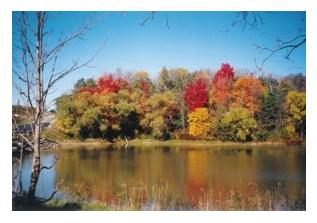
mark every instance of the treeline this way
{"type": "Point", "coordinates": [181, 105]}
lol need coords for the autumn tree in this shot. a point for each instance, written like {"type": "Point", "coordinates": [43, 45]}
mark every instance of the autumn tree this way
{"type": "Point", "coordinates": [247, 92]}
{"type": "Point", "coordinates": [165, 82]}
{"type": "Point", "coordinates": [67, 113]}
{"type": "Point", "coordinates": [295, 82]}
{"type": "Point", "coordinates": [108, 115]}
{"type": "Point", "coordinates": [117, 111]}
{"type": "Point", "coordinates": [196, 94]}
{"type": "Point", "coordinates": [296, 110]}
{"type": "Point", "coordinates": [175, 80]}
{"type": "Point", "coordinates": [221, 91]}
{"type": "Point", "coordinates": [141, 82]}
{"type": "Point", "coordinates": [236, 125]}
{"type": "Point", "coordinates": [107, 83]}
{"type": "Point", "coordinates": [159, 121]}
{"type": "Point", "coordinates": [199, 122]}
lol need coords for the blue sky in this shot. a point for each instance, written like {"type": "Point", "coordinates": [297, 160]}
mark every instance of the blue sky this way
{"type": "Point", "coordinates": [194, 40]}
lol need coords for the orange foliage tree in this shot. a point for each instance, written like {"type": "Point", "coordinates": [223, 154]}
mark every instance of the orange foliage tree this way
{"type": "Point", "coordinates": [247, 91]}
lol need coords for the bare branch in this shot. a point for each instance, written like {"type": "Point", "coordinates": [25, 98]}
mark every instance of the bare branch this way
{"type": "Point", "coordinates": [27, 44]}
{"type": "Point", "coordinates": [21, 134]}
{"type": "Point", "coordinates": [81, 31]}
{"type": "Point", "coordinates": [76, 66]}
{"type": "Point", "coordinates": [251, 20]}
{"type": "Point", "coordinates": [289, 46]}
{"type": "Point", "coordinates": [167, 23]}
{"type": "Point", "coordinates": [292, 40]}
{"type": "Point", "coordinates": [149, 17]}
{"type": "Point", "coordinates": [47, 167]}
{"type": "Point", "coordinates": [49, 198]}
{"type": "Point", "coordinates": [53, 194]}
{"type": "Point", "coordinates": [29, 108]}
{"type": "Point", "coordinates": [51, 166]}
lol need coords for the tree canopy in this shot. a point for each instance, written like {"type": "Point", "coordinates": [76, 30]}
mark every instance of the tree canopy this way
{"type": "Point", "coordinates": [217, 106]}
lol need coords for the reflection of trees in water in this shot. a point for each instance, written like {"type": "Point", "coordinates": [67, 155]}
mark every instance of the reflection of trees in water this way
{"type": "Point", "coordinates": [111, 170]}
{"type": "Point", "coordinates": [21, 177]}
{"type": "Point", "coordinates": [287, 167]}
{"type": "Point", "coordinates": [189, 173]}
{"type": "Point", "coordinates": [196, 175]}
{"type": "Point", "coordinates": [245, 171]}
{"type": "Point", "coordinates": [17, 187]}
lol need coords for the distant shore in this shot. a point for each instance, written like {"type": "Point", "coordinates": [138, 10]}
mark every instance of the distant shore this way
{"type": "Point", "coordinates": [171, 143]}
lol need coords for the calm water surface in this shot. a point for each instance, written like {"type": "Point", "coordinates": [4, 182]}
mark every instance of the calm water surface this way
{"type": "Point", "coordinates": [188, 172]}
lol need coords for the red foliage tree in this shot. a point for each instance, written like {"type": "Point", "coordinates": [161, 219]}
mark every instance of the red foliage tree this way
{"type": "Point", "coordinates": [222, 86]}
{"type": "Point", "coordinates": [106, 84]}
{"type": "Point", "coordinates": [144, 86]}
{"type": "Point", "coordinates": [196, 94]}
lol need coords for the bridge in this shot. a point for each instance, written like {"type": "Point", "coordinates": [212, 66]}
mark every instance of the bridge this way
{"type": "Point", "coordinates": [48, 119]}
{"type": "Point", "coordinates": [27, 130]}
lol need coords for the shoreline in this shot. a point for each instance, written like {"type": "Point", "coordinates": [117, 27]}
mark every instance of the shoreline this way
{"type": "Point", "coordinates": [171, 143]}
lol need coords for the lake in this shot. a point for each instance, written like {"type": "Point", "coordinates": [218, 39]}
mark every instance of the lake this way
{"type": "Point", "coordinates": [98, 174]}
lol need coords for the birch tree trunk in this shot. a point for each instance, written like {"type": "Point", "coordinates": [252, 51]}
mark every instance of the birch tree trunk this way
{"type": "Point", "coordinates": [36, 166]}
{"type": "Point", "coordinates": [39, 59]}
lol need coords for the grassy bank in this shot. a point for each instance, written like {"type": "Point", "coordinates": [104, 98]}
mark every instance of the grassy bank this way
{"type": "Point", "coordinates": [150, 143]}
{"type": "Point", "coordinates": [84, 143]}
{"type": "Point", "coordinates": [54, 135]}
{"type": "Point", "coordinates": [156, 198]}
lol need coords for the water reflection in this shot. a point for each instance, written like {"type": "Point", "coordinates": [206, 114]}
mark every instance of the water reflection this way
{"type": "Point", "coordinates": [249, 152]}
{"type": "Point", "coordinates": [187, 172]}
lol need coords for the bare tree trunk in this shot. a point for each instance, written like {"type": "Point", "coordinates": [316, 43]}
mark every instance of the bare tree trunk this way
{"type": "Point", "coordinates": [36, 57]}
{"type": "Point", "coordinates": [36, 166]}
{"type": "Point", "coordinates": [183, 114]}
{"type": "Point", "coordinates": [35, 174]}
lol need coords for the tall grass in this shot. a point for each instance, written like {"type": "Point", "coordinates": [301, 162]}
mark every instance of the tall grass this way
{"type": "Point", "coordinates": [156, 198]}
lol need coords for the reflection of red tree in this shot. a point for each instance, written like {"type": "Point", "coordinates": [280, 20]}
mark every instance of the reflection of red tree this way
{"type": "Point", "coordinates": [196, 184]}
{"type": "Point", "coordinates": [222, 184]}
{"type": "Point", "coordinates": [104, 196]}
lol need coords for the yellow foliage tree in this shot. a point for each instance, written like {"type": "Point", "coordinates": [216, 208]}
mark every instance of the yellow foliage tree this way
{"type": "Point", "coordinates": [295, 106]}
{"type": "Point", "coordinates": [199, 122]}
